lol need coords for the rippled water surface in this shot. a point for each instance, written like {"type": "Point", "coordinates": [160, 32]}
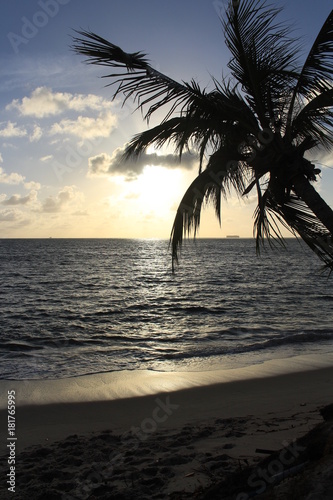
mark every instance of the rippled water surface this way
{"type": "Point", "coordinates": [71, 307]}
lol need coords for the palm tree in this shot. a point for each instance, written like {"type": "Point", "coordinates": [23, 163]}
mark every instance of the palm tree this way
{"type": "Point", "coordinates": [251, 132]}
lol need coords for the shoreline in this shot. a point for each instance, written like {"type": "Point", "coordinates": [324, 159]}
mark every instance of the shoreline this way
{"type": "Point", "coordinates": [134, 383]}
{"type": "Point", "coordinates": [262, 392]}
{"type": "Point", "coordinates": [165, 442]}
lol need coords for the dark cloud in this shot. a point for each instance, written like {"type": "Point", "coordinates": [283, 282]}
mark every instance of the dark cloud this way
{"type": "Point", "coordinates": [17, 199]}
{"type": "Point", "coordinates": [8, 216]}
{"type": "Point", "coordinates": [54, 204]}
{"type": "Point", "coordinates": [106, 165]}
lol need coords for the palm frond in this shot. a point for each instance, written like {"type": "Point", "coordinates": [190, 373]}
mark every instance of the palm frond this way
{"type": "Point", "coordinates": [140, 81]}
{"type": "Point", "coordinates": [302, 220]}
{"type": "Point", "coordinates": [316, 74]}
{"type": "Point", "coordinates": [223, 121]}
{"type": "Point", "coordinates": [265, 227]}
{"type": "Point", "coordinates": [159, 135]}
{"type": "Point", "coordinates": [315, 120]}
{"type": "Point", "coordinates": [226, 97]}
{"type": "Point", "coordinates": [152, 89]}
{"type": "Point", "coordinates": [227, 126]}
{"type": "Point", "coordinates": [102, 52]}
{"type": "Point", "coordinates": [224, 172]}
{"type": "Point", "coordinates": [298, 218]}
{"type": "Point", "coordinates": [263, 55]}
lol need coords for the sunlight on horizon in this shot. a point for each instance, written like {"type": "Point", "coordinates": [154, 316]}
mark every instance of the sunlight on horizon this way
{"type": "Point", "coordinates": [157, 190]}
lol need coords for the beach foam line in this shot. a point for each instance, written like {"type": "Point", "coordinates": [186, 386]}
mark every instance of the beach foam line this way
{"type": "Point", "coordinates": [126, 384]}
{"type": "Point", "coordinates": [85, 405]}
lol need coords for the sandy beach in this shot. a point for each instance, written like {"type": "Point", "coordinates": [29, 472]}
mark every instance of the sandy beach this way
{"type": "Point", "coordinates": [178, 443]}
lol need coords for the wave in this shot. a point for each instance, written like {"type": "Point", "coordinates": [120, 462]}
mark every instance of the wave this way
{"type": "Point", "coordinates": [79, 305]}
{"type": "Point", "coordinates": [302, 338]}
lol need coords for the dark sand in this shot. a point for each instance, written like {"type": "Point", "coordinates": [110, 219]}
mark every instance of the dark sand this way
{"type": "Point", "coordinates": [191, 443]}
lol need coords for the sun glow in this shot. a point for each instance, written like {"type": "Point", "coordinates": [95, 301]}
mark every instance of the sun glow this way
{"type": "Point", "coordinates": [157, 190]}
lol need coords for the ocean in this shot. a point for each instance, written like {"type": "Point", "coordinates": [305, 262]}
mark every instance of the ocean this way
{"type": "Point", "coordinates": [72, 307]}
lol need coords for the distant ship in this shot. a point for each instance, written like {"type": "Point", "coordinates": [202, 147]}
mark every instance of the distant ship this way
{"type": "Point", "coordinates": [232, 236]}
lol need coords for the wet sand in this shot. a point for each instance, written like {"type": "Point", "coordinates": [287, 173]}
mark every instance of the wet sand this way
{"type": "Point", "coordinates": [168, 444]}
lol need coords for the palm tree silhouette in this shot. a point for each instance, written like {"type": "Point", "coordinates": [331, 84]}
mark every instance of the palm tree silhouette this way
{"type": "Point", "coordinates": [251, 132]}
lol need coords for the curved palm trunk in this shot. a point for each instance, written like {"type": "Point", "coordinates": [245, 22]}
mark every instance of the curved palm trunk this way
{"type": "Point", "coordinates": [314, 201]}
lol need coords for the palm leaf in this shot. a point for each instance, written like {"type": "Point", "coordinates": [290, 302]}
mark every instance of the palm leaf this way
{"type": "Point", "coordinates": [265, 227]}
{"type": "Point", "coordinates": [224, 172]}
{"type": "Point", "coordinates": [225, 119]}
{"type": "Point", "coordinates": [226, 125]}
{"type": "Point", "coordinates": [316, 74]}
{"type": "Point", "coordinates": [315, 120]}
{"type": "Point", "coordinates": [102, 52]}
{"type": "Point", "coordinates": [151, 88]}
{"type": "Point", "coordinates": [263, 55]}
{"type": "Point", "coordinates": [197, 129]}
{"type": "Point", "coordinates": [299, 219]}
{"type": "Point", "coordinates": [143, 83]}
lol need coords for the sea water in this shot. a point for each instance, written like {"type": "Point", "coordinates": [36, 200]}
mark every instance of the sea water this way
{"type": "Point", "coordinates": [71, 307]}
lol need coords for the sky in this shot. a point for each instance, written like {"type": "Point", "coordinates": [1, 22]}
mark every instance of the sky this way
{"type": "Point", "coordinates": [61, 134]}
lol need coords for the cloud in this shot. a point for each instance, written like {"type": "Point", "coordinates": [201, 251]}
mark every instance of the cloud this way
{"type": "Point", "coordinates": [44, 102]}
{"type": "Point", "coordinates": [9, 216]}
{"type": "Point", "coordinates": [54, 204]}
{"type": "Point", "coordinates": [17, 199]}
{"type": "Point", "coordinates": [12, 178]}
{"type": "Point", "coordinates": [32, 185]}
{"type": "Point", "coordinates": [46, 158]}
{"type": "Point", "coordinates": [80, 213]}
{"type": "Point", "coordinates": [105, 165]}
{"type": "Point", "coordinates": [324, 159]}
{"type": "Point", "coordinates": [132, 196]}
{"type": "Point", "coordinates": [11, 130]}
{"type": "Point", "coordinates": [86, 127]}
{"type": "Point", "coordinates": [36, 134]}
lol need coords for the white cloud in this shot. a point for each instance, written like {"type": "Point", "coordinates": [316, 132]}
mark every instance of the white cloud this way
{"type": "Point", "coordinates": [86, 127]}
{"type": "Point", "coordinates": [12, 178]}
{"type": "Point", "coordinates": [46, 158]}
{"type": "Point", "coordinates": [44, 102]}
{"type": "Point", "coordinates": [11, 130]}
{"type": "Point", "coordinates": [36, 134]}
{"type": "Point", "coordinates": [106, 165]}
{"type": "Point", "coordinates": [132, 196]}
{"type": "Point", "coordinates": [32, 185]}
{"type": "Point", "coordinates": [324, 159]}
